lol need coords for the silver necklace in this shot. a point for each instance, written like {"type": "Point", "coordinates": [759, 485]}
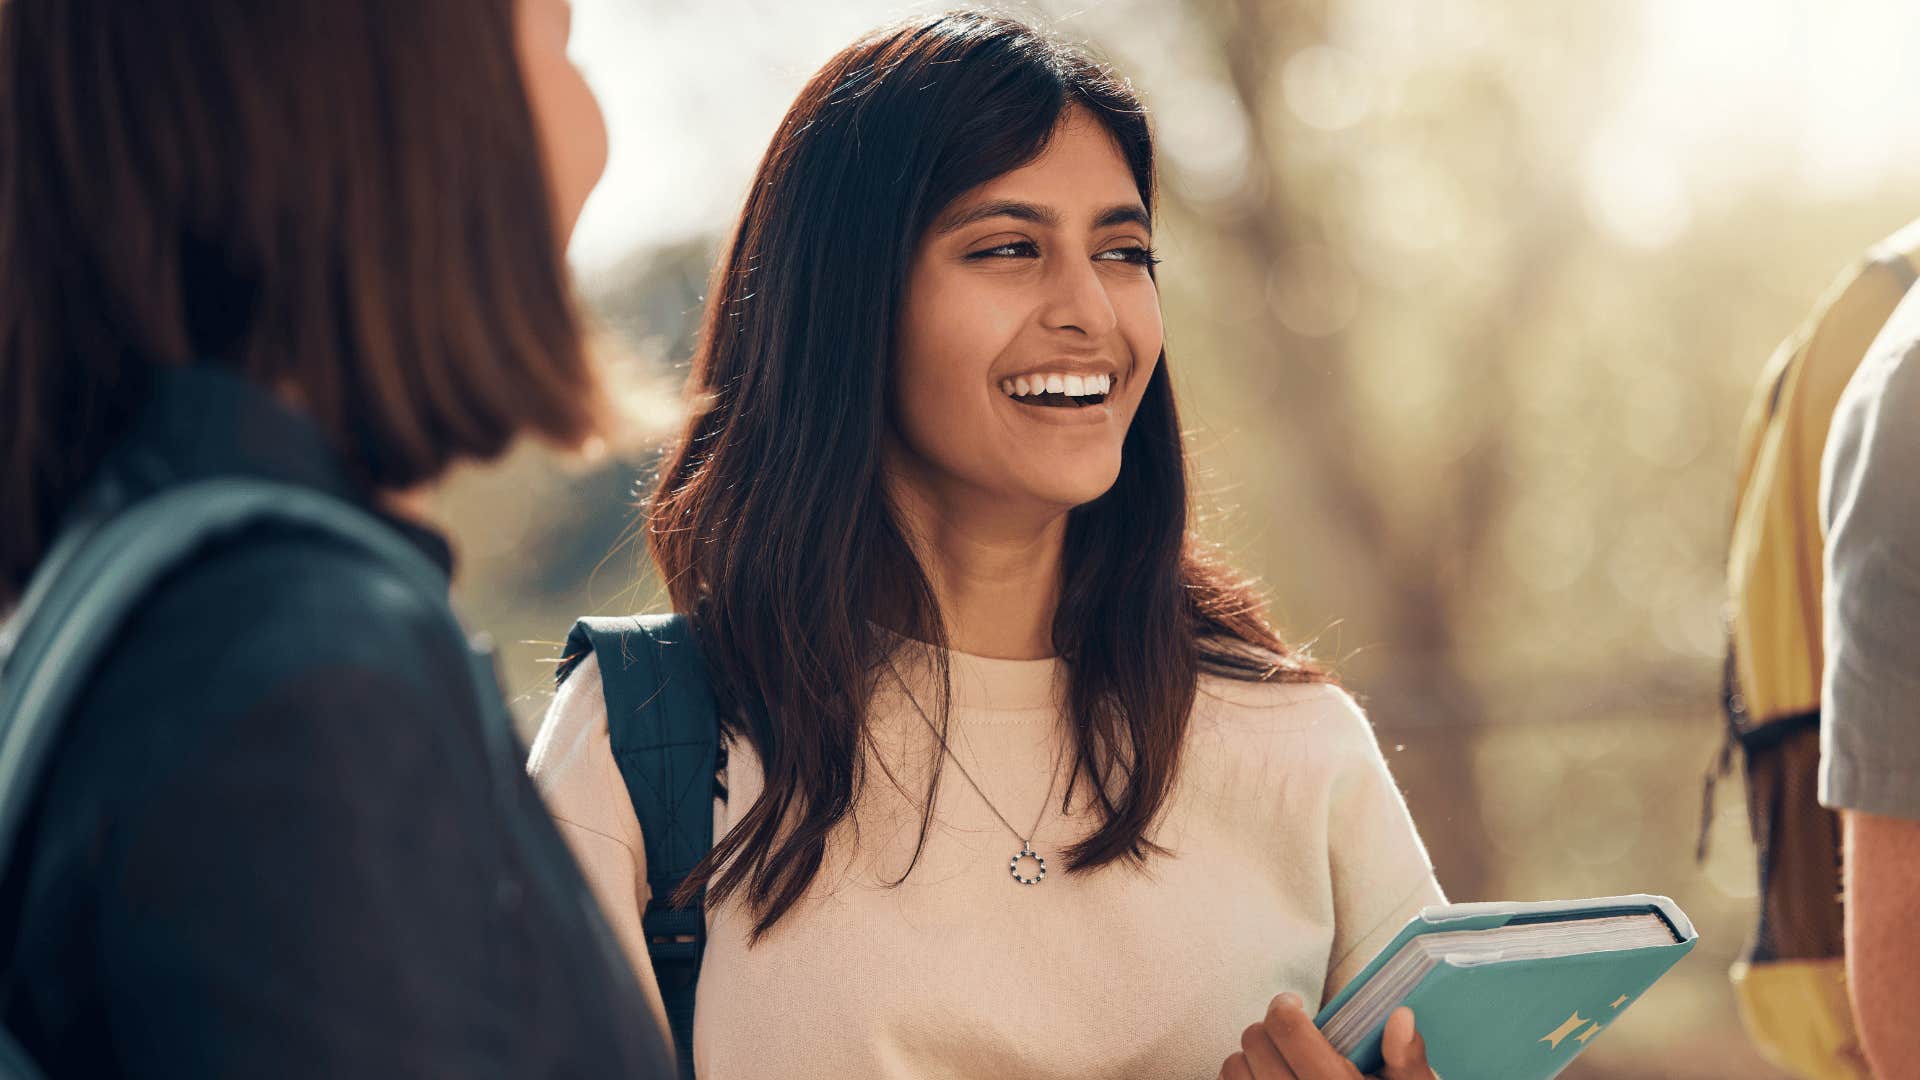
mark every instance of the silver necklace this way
{"type": "Point", "coordinates": [1026, 842]}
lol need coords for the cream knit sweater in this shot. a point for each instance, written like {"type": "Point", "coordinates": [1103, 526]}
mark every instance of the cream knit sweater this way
{"type": "Point", "coordinates": [1294, 860]}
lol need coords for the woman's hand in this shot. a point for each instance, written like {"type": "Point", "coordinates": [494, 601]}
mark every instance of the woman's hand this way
{"type": "Point", "coordinates": [1286, 1046]}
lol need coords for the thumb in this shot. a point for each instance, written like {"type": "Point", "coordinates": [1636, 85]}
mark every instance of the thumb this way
{"type": "Point", "coordinates": [1404, 1049]}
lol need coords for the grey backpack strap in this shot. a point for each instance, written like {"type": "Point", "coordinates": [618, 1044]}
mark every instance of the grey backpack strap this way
{"type": "Point", "coordinates": [106, 560]}
{"type": "Point", "coordinates": [100, 569]}
{"type": "Point", "coordinates": [664, 727]}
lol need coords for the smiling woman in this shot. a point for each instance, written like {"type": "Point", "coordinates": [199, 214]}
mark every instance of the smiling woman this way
{"type": "Point", "coordinates": [934, 511]}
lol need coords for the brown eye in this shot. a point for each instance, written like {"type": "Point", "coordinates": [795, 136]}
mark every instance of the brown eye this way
{"type": "Point", "coordinates": [1139, 256]}
{"type": "Point", "coordinates": [1019, 249]}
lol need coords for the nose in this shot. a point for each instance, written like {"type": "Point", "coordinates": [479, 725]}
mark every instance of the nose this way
{"type": "Point", "coordinates": [1076, 299]}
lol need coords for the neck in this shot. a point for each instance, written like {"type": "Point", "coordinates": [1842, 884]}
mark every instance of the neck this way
{"type": "Point", "coordinates": [414, 505]}
{"type": "Point", "coordinates": [995, 570]}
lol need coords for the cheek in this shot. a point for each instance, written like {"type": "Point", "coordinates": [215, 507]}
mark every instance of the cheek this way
{"type": "Point", "coordinates": [571, 128]}
{"type": "Point", "coordinates": [971, 320]}
{"type": "Point", "coordinates": [1137, 312]}
{"type": "Point", "coordinates": [953, 331]}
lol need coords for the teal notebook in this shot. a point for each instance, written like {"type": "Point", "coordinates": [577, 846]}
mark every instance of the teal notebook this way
{"type": "Point", "coordinates": [1510, 991]}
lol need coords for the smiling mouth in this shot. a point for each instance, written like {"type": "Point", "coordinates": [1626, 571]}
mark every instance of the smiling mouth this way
{"type": "Point", "coordinates": [1058, 391]}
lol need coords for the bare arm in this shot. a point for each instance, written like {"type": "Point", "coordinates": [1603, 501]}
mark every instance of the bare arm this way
{"type": "Point", "coordinates": [1870, 724]}
{"type": "Point", "coordinates": [1883, 936]}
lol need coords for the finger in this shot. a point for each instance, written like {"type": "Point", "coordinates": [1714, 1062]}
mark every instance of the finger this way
{"type": "Point", "coordinates": [1307, 1051]}
{"type": "Point", "coordinates": [1262, 1056]}
{"type": "Point", "coordinates": [1236, 1068]}
{"type": "Point", "coordinates": [1404, 1049]}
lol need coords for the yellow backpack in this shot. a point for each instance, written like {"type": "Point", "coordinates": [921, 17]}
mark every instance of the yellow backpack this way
{"type": "Point", "coordinates": [1791, 983]}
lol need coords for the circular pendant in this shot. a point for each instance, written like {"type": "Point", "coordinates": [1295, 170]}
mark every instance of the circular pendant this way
{"type": "Point", "coordinates": [1028, 853]}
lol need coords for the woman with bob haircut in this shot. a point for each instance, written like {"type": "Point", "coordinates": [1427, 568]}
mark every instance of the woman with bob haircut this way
{"type": "Point", "coordinates": [317, 243]}
{"type": "Point", "coordinates": [930, 524]}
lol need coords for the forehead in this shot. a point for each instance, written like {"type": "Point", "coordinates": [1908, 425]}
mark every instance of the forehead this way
{"type": "Point", "coordinates": [1081, 167]}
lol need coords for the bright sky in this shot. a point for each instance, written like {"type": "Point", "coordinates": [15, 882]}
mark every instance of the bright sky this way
{"type": "Point", "coordinates": [692, 92]}
{"type": "Point", "coordinates": [1824, 93]}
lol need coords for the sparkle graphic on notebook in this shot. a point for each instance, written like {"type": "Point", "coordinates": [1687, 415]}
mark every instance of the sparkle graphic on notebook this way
{"type": "Point", "coordinates": [1573, 1023]}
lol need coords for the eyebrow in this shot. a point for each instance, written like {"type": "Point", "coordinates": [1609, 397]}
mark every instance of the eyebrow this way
{"type": "Point", "coordinates": [1118, 214]}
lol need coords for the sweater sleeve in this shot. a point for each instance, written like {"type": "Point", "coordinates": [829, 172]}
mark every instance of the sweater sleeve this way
{"type": "Point", "coordinates": [572, 764]}
{"type": "Point", "coordinates": [1379, 870]}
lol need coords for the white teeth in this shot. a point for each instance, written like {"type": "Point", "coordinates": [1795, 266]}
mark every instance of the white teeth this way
{"type": "Point", "coordinates": [1069, 385]}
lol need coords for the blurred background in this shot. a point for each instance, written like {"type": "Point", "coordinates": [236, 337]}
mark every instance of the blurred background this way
{"type": "Point", "coordinates": [1465, 300]}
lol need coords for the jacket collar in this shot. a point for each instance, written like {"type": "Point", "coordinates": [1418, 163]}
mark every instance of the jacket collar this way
{"type": "Point", "coordinates": [201, 422]}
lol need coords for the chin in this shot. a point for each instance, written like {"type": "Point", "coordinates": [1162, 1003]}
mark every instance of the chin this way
{"type": "Point", "coordinates": [1069, 491]}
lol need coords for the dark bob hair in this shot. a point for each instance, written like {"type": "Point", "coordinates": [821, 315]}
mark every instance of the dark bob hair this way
{"type": "Point", "coordinates": [770, 522]}
{"type": "Point", "coordinates": [340, 199]}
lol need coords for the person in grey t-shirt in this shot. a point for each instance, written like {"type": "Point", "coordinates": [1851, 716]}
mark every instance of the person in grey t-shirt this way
{"type": "Point", "coordinates": [1870, 730]}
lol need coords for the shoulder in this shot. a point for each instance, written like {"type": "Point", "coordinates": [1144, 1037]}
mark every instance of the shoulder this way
{"type": "Point", "coordinates": [1856, 306]}
{"type": "Point", "coordinates": [1304, 720]}
{"type": "Point", "coordinates": [1888, 380]}
{"type": "Point", "coordinates": [241, 622]}
{"type": "Point", "coordinates": [1874, 446]}
{"type": "Point", "coordinates": [1285, 701]}
{"type": "Point", "coordinates": [1836, 334]}
{"type": "Point", "coordinates": [572, 762]}
{"type": "Point", "coordinates": [1901, 247]}
{"type": "Point", "coordinates": [575, 726]}
{"type": "Point", "coordinates": [292, 657]}
{"type": "Point", "coordinates": [332, 600]}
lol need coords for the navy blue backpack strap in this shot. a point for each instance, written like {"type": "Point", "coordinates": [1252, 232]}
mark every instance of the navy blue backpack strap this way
{"type": "Point", "coordinates": [664, 727]}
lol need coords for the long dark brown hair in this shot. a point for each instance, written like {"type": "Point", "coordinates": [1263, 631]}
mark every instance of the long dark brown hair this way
{"type": "Point", "coordinates": [770, 522]}
{"type": "Point", "coordinates": [341, 199]}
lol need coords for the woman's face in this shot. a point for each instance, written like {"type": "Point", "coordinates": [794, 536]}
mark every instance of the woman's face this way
{"type": "Point", "coordinates": [573, 134]}
{"type": "Point", "coordinates": [1029, 330]}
